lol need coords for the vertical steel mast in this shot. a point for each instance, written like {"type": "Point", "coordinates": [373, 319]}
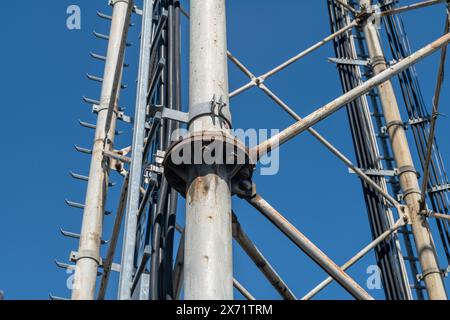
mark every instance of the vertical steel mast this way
{"type": "Point", "coordinates": [88, 257]}
{"type": "Point", "coordinates": [407, 174]}
{"type": "Point", "coordinates": [208, 235]}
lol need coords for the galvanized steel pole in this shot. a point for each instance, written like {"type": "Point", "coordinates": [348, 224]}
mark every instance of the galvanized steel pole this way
{"type": "Point", "coordinates": [409, 183]}
{"type": "Point", "coordinates": [134, 190]}
{"type": "Point", "coordinates": [88, 257]}
{"type": "Point", "coordinates": [208, 244]}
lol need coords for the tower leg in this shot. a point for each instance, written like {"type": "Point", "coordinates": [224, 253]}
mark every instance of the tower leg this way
{"type": "Point", "coordinates": [88, 258]}
{"type": "Point", "coordinates": [408, 177]}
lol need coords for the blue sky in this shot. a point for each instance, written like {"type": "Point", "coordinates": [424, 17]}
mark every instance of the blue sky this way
{"type": "Point", "coordinates": [43, 79]}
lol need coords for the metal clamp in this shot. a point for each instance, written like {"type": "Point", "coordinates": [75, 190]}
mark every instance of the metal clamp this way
{"type": "Point", "coordinates": [398, 123]}
{"type": "Point", "coordinates": [364, 14]}
{"type": "Point", "coordinates": [405, 169]}
{"type": "Point", "coordinates": [85, 254]}
{"type": "Point", "coordinates": [153, 171]}
{"type": "Point", "coordinates": [427, 272]}
{"type": "Point", "coordinates": [119, 114]}
{"type": "Point", "coordinates": [214, 108]}
{"type": "Point", "coordinates": [114, 2]}
{"type": "Point", "coordinates": [377, 60]}
{"type": "Point", "coordinates": [409, 191]}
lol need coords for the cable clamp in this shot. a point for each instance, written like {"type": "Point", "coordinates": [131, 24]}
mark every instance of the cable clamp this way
{"type": "Point", "coordinates": [378, 60]}
{"type": "Point", "coordinates": [405, 169]}
{"type": "Point", "coordinates": [85, 254]}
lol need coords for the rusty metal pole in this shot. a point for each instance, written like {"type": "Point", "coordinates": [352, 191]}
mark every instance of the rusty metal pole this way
{"type": "Point", "coordinates": [426, 251]}
{"type": "Point", "coordinates": [88, 257]}
{"type": "Point", "coordinates": [208, 235]}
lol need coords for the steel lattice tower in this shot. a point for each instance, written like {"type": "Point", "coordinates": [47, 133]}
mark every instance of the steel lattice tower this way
{"type": "Point", "coordinates": [402, 197]}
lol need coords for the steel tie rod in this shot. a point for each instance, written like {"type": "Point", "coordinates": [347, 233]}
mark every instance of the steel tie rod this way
{"type": "Point", "coordinates": [348, 97]}
{"type": "Point", "coordinates": [239, 287]}
{"type": "Point", "coordinates": [413, 6]}
{"type": "Point", "coordinates": [436, 215]}
{"type": "Point", "coordinates": [347, 6]}
{"type": "Point", "coordinates": [113, 242]}
{"type": "Point", "coordinates": [309, 248]}
{"type": "Point", "coordinates": [258, 80]}
{"type": "Point", "coordinates": [260, 261]}
{"type": "Point", "coordinates": [437, 94]}
{"type": "Point", "coordinates": [401, 222]}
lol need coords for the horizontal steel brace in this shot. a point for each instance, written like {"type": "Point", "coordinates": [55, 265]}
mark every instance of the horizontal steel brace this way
{"type": "Point", "coordinates": [419, 120]}
{"type": "Point", "coordinates": [120, 115]}
{"type": "Point", "coordinates": [352, 62]}
{"type": "Point", "coordinates": [171, 114]}
{"type": "Point", "coordinates": [378, 172]}
{"type": "Point", "coordinates": [438, 188]}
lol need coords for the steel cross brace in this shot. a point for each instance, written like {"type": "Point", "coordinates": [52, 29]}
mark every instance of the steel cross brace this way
{"type": "Point", "coordinates": [304, 244]}
{"type": "Point", "coordinates": [338, 103]}
{"type": "Point", "coordinates": [317, 135]}
{"type": "Point", "coordinates": [400, 223]}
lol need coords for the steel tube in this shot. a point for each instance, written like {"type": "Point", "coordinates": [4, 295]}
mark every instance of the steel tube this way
{"type": "Point", "coordinates": [208, 234]}
{"type": "Point", "coordinates": [290, 61]}
{"type": "Point", "coordinates": [413, 6]}
{"type": "Point", "coordinates": [348, 97]}
{"type": "Point", "coordinates": [89, 248]}
{"type": "Point", "coordinates": [239, 287]}
{"type": "Point", "coordinates": [357, 257]}
{"type": "Point", "coordinates": [437, 95]}
{"type": "Point", "coordinates": [107, 263]}
{"type": "Point", "coordinates": [347, 6]}
{"type": "Point", "coordinates": [408, 177]}
{"type": "Point", "coordinates": [177, 274]}
{"type": "Point", "coordinates": [316, 46]}
{"type": "Point", "coordinates": [439, 216]}
{"type": "Point", "coordinates": [135, 174]}
{"type": "Point", "coordinates": [309, 248]}
{"type": "Point", "coordinates": [333, 149]}
{"type": "Point", "coordinates": [260, 261]}
{"type": "Point", "coordinates": [155, 264]}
